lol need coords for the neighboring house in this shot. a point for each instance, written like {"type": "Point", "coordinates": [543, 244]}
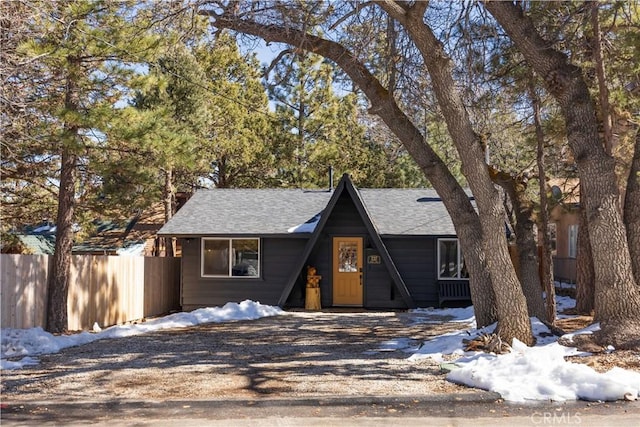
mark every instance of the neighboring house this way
{"type": "Point", "coordinates": [118, 238]}
{"type": "Point", "coordinates": [134, 236]}
{"type": "Point", "coordinates": [373, 248]}
{"type": "Point", "coordinates": [32, 244]}
{"type": "Point", "coordinates": [565, 218]}
{"type": "Point", "coordinates": [37, 240]}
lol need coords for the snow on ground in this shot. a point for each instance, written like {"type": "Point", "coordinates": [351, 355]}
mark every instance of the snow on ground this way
{"type": "Point", "coordinates": [531, 373]}
{"type": "Point", "coordinates": [35, 341]}
{"type": "Point", "coordinates": [455, 315]}
{"type": "Point", "coordinates": [527, 373]}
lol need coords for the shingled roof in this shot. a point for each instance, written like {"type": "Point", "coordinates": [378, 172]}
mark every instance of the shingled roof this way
{"type": "Point", "coordinates": [397, 211]}
{"type": "Point", "coordinates": [245, 211]}
{"type": "Point", "coordinates": [277, 211]}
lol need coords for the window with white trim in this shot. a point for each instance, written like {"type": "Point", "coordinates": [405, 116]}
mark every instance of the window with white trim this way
{"type": "Point", "coordinates": [230, 257]}
{"type": "Point", "coordinates": [451, 264]}
{"type": "Point", "coordinates": [573, 241]}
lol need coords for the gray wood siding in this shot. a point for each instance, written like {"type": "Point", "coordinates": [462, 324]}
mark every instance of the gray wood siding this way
{"type": "Point", "coordinates": [415, 259]}
{"type": "Point", "coordinates": [345, 219]}
{"type": "Point", "coordinates": [278, 255]}
{"type": "Point", "coordinates": [320, 258]}
{"type": "Point", "coordinates": [379, 291]}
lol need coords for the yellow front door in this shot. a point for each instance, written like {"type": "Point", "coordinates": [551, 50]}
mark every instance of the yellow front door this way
{"type": "Point", "coordinates": [347, 271]}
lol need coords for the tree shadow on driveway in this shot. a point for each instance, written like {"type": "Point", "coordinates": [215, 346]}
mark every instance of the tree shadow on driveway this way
{"type": "Point", "coordinates": [299, 354]}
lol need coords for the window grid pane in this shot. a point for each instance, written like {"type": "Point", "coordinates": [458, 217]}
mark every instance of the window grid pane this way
{"type": "Point", "coordinates": [448, 251]}
{"type": "Point", "coordinates": [216, 258]}
{"type": "Point", "coordinates": [230, 257]}
{"type": "Point", "coordinates": [573, 241]}
{"type": "Point", "coordinates": [451, 262]}
{"type": "Point", "coordinates": [245, 257]}
{"type": "Point", "coordinates": [464, 273]}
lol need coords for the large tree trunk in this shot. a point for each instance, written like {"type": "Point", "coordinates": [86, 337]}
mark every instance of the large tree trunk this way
{"type": "Point", "coordinates": [546, 260]}
{"type": "Point", "coordinates": [617, 298]}
{"type": "Point", "coordinates": [482, 294]}
{"type": "Point", "coordinates": [513, 318]}
{"type": "Point", "coordinates": [632, 209]}
{"type": "Point", "coordinates": [527, 248]}
{"type": "Point", "coordinates": [603, 91]}
{"type": "Point", "coordinates": [464, 217]}
{"type": "Point", "coordinates": [167, 198]}
{"type": "Point", "coordinates": [585, 275]}
{"type": "Point", "coordinates": [58, 282]}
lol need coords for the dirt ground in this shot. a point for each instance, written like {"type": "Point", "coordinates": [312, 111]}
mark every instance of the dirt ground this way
{"type": "Point", "coordinates": [601, 360]}
{"type": "Point", "coordinates": [301, 354]}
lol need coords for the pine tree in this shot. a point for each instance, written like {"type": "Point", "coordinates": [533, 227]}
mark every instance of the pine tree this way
{"type": "Point", "coordinates": [321, 128]}
{"type": "Point", "coordinates": [76, 51]}
{"type": "Point", "coordinates": [240, 144]}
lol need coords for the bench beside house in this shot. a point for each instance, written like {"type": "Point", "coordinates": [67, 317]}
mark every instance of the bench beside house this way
{"type": "Point", "coordinates": [373, 248]}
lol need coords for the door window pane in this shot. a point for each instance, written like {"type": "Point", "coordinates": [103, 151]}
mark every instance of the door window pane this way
{"type": "Point", "coordinates": [347, 257]}
{"type": "Point", "coordinates": [451, 262]}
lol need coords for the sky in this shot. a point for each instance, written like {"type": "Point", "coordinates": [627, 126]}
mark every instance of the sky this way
{"type": "Point", "coordinates": [524, 374]}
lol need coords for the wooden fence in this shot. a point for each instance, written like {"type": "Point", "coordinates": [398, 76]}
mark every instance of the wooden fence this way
{"type": "Point", "coordinates": [103, 289]}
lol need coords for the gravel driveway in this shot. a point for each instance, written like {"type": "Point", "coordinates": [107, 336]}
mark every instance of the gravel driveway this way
{"type": "Point", "coordinates": [297, 355]}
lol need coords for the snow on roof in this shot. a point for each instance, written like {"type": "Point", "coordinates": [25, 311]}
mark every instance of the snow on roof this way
{"type": "Point", "coordinates": [134, 249]}
{"type": "Point", "coordinates": [393, 211]}
{"type": "Point", "coordinates": [306, 227]}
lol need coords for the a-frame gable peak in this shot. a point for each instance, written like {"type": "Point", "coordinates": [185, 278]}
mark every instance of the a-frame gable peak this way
{"type": "Point", "coordinates": [378, 243]}
{"type": "Point", "coordinates": [346, 184]}
{"type": "Point", "coordinates": [311, 243]}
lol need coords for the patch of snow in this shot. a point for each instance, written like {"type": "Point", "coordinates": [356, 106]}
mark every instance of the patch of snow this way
{"type": "Point", "coordinates": [403, 344]}
{"type": "Point", "coordinates": [27, 343]}
{"type": "Point", "coordinates": [542, 373]}
{"type": "Point", "coordinates": [564, 303]}
{"type": "Point", "coordinates": [531, 373]}
{"type": "Point", "coordinates": [136, 249]}
{"type": "Point", "coordinates": [462, 315]}
{"type": "Point", "coordinates": [307, 227]}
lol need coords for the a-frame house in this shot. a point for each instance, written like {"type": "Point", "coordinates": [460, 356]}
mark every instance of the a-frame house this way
{"type": "Point", "coordinates": [374, 248]}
